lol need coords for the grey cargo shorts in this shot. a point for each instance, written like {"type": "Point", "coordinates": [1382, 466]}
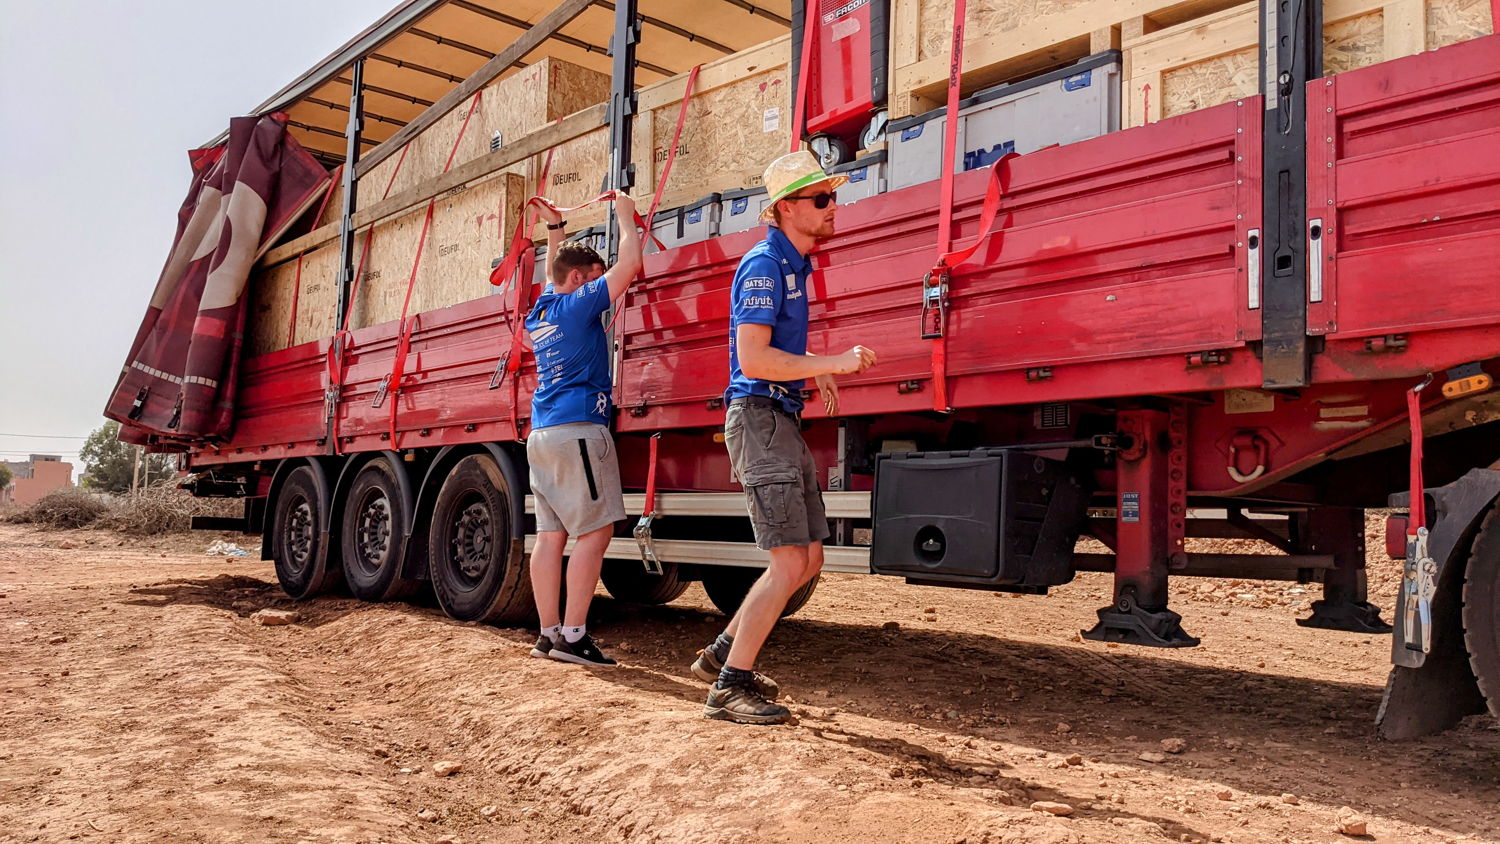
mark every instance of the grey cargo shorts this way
{"type": "Point", "coordinates": [575, 476]}
{"type": "Point", "coordinates": [779, 476]}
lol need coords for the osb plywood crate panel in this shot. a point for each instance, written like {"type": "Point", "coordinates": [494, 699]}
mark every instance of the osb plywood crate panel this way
{"type": "Point", "coordinates": [731, 134]}
{"type": "Point", "coordinates": [470, 226]}
{"type": "Point", "coordinates": [1213, 61]}
{"type": "Point", "coordinates": [288, 307]}
{"type": "Point", "coordinates": [737, 121]}
{"type": "Point", "coordinates": [513, 105]}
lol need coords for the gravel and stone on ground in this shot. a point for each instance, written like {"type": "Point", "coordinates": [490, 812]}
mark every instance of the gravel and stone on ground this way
{"type": "Point", "coordinates": [148, 699]}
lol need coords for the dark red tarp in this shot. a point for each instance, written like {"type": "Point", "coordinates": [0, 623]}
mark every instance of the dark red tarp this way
{"type": "Point", "coordinates": [178, 384]}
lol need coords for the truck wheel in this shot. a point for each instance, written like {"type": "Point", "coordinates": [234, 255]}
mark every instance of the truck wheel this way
{"type": "Point", "coordinates": [727, 586]}
{"type": "Point", "coordinates": [372, 534]}
{"type": "Point", "coordinates": [477, 562]}
{"type": "Point", "coordinates": [627, 580]}
{"type": "Point", "coordinates": [297, 539]}
{"type": "Point", "coordinates": [1481, 613]}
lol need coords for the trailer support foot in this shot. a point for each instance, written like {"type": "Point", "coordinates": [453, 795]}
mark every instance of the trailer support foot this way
{"type": "Point", "coordinates": [1350, 616]}
{"type": "Point", "coordinates": [1339, 531]}
{"type": "Point", "coordinates": [1132, 625]}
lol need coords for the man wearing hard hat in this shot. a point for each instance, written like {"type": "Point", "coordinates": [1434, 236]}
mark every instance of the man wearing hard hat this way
{"type": "Point", "coordinates": [768, 367]}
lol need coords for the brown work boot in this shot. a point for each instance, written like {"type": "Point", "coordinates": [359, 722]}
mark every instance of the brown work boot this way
{"type": "Point", "coordinates": [707, 667]}
{"type": "Point", "coordinates": [743, 705]}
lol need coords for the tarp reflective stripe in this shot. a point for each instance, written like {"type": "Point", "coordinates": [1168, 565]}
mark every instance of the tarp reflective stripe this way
{"type": "Point", "coordinates": [178, 382]}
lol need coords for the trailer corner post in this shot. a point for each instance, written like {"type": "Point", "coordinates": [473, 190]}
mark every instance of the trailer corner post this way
{"type": "Point", "coordinates": [1291, 54]}
{"type": "Point", "coordinates": [352, 135]}
{"type": "Point", "coordinates": [350, 187]}
{"type": "Point", "coordinates": [1151, 528]}
{"type": "Point", "coordinates": [622, 108]}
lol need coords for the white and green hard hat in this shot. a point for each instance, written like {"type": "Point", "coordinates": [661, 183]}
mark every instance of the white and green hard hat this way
{"type": "Point", "coordinates": [793, 172]}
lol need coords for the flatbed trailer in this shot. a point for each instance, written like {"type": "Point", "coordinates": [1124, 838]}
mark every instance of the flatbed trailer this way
{"type": "Point", "coordinates": [1228, 323]}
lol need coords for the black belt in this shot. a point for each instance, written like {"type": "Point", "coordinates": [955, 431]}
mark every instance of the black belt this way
{"type": "Point", "coordinates": [762, 401]}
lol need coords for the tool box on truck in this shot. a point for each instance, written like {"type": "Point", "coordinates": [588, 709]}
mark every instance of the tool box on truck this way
{"type": "Point", "coordinates": [986, 517]}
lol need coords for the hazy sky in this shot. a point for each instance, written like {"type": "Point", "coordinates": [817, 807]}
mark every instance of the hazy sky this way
{"type": "Point", "coordinates": [99, 102]}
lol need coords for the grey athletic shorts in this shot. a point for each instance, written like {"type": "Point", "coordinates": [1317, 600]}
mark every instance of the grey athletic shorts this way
{"type": "Point", "coordinates": [575, 476]}
{"type": "Point", "coordinates": [779, 476]}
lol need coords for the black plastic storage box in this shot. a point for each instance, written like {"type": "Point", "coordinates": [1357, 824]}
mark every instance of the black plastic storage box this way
{"type": "Point", "coordinates": [987, 517]}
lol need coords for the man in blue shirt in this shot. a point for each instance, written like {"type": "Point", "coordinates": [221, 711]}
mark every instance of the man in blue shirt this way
{"type": "Point", "coordinates": [768, 367]}
{"type": "Point", "coordinates": [575, 472]}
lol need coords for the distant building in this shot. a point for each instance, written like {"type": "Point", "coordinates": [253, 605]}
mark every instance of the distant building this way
{"type": "Point", "coordinates": [36, 477]}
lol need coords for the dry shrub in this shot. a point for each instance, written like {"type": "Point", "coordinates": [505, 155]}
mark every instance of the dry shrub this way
{"type": "Point", "coordinates": [69, 507]}
{"type": "Point", "coordinates": [163, 508]}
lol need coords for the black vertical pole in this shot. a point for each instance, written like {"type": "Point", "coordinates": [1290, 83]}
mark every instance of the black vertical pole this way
{"type": "Point", "coordinates": [622, 106]}
{"type": "Point", "coordinates": [1291, 54]}
{"type": "Point", "coordinates": [351, 186]}
{"type": "Point", "coordinates": [346, 234]}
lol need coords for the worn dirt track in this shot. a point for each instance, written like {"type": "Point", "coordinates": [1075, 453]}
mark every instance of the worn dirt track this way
{"type": "Point", "coordinates": [140, 703]}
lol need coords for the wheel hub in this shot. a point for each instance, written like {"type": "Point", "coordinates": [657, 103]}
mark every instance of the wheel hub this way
{"type": "Point", "coordinates": [299, 534]}
{"type": "Point", "coordinates": [472, 540]}
{"type": "Point", "coordinates": [373, 532]}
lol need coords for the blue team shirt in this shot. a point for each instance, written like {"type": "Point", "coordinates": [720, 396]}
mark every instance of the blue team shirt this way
{"type": "Point", "coordinates": [572, 356]}
{"type": "Point", "coordinates": [770, 288]}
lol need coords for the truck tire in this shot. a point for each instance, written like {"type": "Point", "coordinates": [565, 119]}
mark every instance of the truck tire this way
{"type": "Point", "coordinates": [372, 534]}
{"type": "Point", "coordinates": [477, 564]}
{"type": "Point", "coordinates": [627, 580]}
{"type": "Point", "coordinates": [727, 587]}
{"type": "Point", "coordinates": [302, 567]}
{"type": "Point", "coordinates": [1481, 613]}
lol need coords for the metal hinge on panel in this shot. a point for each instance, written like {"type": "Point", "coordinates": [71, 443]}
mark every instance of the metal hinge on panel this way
{"type": "Point", "coordinates": [1209, 358]}
{"type": "Point", "coordinates": [1386, 343]}
{"type": "Point", "coordinates": [1039, 373]}
{"type": "Point", "coordinates": [912, 386]}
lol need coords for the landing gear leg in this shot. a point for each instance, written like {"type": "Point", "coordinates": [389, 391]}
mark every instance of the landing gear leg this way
{"type": "Point", "coordinates": [1151, 526]}
{"type": "Point", "coordinates": [1339, 531]}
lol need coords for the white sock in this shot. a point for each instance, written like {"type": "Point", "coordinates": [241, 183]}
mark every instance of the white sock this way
{"type": "Point", "coordinates": [573, 634]}
{"type": "Point", "coordinates": [554, 632]}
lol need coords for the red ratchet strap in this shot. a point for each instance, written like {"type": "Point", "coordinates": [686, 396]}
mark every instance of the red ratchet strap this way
{"type": "Point", "coordinates": [1418, 517]}
{"type": "Point", "coordinates": [666, 169]}
{"type": "Point", "coordinates": [343, 340]}
{"type": "Point", "coordinates": [403, 341]}
{"type": "Point", "coordinates": [650, 508]}
{"type": "Point", "coordinates": [935, 285]}
{"type": "Point", "coordinates": [291, 325]}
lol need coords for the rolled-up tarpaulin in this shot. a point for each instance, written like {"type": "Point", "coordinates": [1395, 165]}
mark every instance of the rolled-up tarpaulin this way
{"type": "Point", "coordinates": [178, 383]}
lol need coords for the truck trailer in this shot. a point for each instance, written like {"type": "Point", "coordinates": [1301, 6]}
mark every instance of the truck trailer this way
{"type": "Point", "coordinates": [1253, 311]}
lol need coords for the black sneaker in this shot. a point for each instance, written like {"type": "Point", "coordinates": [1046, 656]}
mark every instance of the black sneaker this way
{"type": "Point", "coordinates": [543, 646]}
{"type": "Point", "coordinates": [743, 705]}
{"type": "Point", "coordinates": [707, 667]}
{"type": "Point", "coordinates": [581, 652]}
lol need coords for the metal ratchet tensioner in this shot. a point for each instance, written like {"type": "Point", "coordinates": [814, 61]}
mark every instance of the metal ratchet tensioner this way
{"type": "Point", "coordinates": [1418, 586]}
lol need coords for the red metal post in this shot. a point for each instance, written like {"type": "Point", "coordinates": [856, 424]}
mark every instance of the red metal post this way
{"type": "Point", "coordinates": [1151, 525]}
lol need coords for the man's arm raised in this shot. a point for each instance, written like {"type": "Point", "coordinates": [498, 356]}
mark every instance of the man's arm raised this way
{"type": "Point", "coordinates": [548, 213]}
{"type": "Point", "coordinates": [628, 265]}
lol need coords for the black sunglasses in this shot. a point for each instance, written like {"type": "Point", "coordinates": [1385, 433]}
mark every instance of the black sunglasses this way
{"type": "Point", "coordinates": [819, 200]}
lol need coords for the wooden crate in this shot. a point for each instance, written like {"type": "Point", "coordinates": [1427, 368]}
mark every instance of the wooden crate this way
{"type": "Point", "coordinates": [464, 237]}
{"type": "Point", "coordinates": [1007, 40]}
{"type": "Point", "coordinates": [1215, 59]}
{"type": "Point", "coordinates": [737, 122]}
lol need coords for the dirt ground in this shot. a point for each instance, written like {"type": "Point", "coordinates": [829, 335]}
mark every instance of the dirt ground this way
{"type": "Point", "coordinates": [140, 703]}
